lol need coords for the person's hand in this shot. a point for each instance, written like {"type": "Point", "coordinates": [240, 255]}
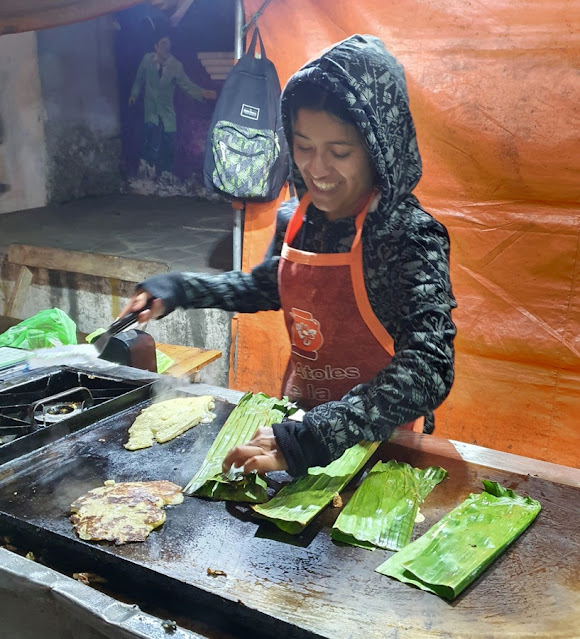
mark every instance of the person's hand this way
{"type": "Point", "coordinates": [131, 101]}
{"type": "Point", "coordinates": [138, 301]}
{"type": "Point", "coordinates": [260, 454]}
{"type": "Point", "coordinates": [209, 94]}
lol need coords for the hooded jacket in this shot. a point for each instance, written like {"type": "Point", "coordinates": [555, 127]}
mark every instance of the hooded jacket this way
{"type": "Point", "coordinates": [405, 264]}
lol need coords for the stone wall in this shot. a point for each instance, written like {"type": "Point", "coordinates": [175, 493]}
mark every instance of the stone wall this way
{"type": "Point", "coordinates": [59, 111]}
{"type": "Point", "coordinates": [94, 302]}
{"type": "Point", "coordinates": [23, 159]}
{"type": "Point", "coordinates": [78, 77]}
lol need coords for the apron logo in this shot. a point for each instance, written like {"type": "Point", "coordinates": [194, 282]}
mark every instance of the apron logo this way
{"type": "Point", "coordinates": [305, 334]}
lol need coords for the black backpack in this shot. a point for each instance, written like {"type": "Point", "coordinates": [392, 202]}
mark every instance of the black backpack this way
{"type": "Point", "coordinates": [246, 154]}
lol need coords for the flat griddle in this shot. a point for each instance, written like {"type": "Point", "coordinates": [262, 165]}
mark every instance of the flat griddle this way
{"type": "Point", "coordinates": [279, 585]}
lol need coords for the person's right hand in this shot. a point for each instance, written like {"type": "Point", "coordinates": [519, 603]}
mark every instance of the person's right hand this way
{"type": "Point", "coordinates": [138, 301]}
{"type": "Point", "coordinates": [260, 454]}
{"type": "Point", "coordinates": [131, 101]}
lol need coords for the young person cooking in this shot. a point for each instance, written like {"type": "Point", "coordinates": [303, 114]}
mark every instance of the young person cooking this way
{"type": "Point", "coordinates": [359, 269]}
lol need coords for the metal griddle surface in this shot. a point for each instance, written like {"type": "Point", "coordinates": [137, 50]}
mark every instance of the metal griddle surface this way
{"type": "Point", "coordinates": [285, 586]}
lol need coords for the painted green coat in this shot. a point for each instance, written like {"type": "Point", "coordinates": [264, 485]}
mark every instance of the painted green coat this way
{"type": "Point", "coordinates": [159, 91]}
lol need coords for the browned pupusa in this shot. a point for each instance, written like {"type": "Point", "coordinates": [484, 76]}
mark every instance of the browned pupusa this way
{"type": "Point", "coordinates": [123, 512]}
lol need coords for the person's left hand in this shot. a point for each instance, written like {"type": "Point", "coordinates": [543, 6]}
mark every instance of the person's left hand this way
{"type": "Point", "coordinates": [209, 94]}
{"type": "Point", "coordinates": [260, 454]}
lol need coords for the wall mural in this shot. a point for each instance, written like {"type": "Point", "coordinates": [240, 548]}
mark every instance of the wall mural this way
{"type": "Point", "coordinates": [167, 96]}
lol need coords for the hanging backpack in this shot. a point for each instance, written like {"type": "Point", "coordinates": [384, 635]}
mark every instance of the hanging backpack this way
{"type": "Point", "coordinates": [246, 154]}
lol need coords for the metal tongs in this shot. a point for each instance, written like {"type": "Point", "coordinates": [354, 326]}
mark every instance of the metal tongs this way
{"type": "Point", "coordinates": [70, 355]}
{"type": "Point", "coordinates": [117, 326]}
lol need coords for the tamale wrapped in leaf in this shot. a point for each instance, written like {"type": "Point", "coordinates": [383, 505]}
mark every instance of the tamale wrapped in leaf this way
{"type": "Point", "coordinates": [252, 412]}
{"type": "Point", "coordinates": [456, 550]}
{"type": "Point", "coordinates": [382, 511]}
{"type": "Point", "coordinates": [296, 505]}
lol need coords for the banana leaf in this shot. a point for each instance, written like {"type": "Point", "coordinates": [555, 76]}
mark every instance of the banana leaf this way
{"type": "Point", "coordinates": [382, 511]}
{"type": "Point", "coordinates": [456, 550]}
{"type": "Point", "coordinates": [251, 412]}
{"type": "Point", "coordinates": [296, 505]}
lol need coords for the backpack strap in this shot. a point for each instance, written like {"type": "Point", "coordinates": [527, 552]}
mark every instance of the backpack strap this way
{"type": "Point", "coordinates": [252, 48]}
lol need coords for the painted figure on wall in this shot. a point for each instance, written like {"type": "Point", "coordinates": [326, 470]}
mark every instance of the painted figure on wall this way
{"type": "Point", "coordinates": [167, 92]}
{"type": "Point", "coordinates": [158, 75]}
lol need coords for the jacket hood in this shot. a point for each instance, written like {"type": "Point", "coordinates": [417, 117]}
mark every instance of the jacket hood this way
{"type": "Point", "coordinates": [370, 83]}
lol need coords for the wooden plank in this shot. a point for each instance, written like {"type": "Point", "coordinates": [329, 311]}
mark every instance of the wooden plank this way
{"type": "Point", "coordinates": [19, 293]}
{"type": "Point", "coordinates": [97, 264]}
{"type": "Point", "coordinates": [218, 64]}
{"type": "Point", "coordinates": [188, 359]}
{"type": "Point", "coordinates": [218, 67]}
{"type": "Point", "coordinates": [7, 322]}
{"type": "Point", "coordinates": [210, 55]}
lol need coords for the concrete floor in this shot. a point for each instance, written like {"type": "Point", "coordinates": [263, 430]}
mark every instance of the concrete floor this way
{"type": "Point", "coordinates": [187, 234]}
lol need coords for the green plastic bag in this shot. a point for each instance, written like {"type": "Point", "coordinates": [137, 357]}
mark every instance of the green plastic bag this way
{"type": "Point", "coordinates": [46, 329]}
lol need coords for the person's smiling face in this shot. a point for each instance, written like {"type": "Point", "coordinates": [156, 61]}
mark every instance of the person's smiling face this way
{"type": "Point", "coordinates": [333, 162]}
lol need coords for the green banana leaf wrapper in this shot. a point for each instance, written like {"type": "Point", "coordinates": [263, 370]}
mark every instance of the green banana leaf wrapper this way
{"type": "Point", "coordinates": [456, 550]}
{"type": "Point", "coordinates": [252, 412]}
{"type": "Point", "coordinates": [296, 505]}
{"type": "Point", "coordinates": [383, 510]}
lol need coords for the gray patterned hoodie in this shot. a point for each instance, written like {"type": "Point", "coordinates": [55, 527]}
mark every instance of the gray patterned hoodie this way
{"type": "Point", "coordinates": [405, 255]}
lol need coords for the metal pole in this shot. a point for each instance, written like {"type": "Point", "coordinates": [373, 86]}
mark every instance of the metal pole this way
{"type": "Point", "coordinates": [239, 28]}
{"type": "Point", "coordinates": [238, 213]}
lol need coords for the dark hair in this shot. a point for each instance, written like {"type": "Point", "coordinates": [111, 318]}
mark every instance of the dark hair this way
{"type": "Point", "coordinates": [308, 95]}
{"type": "Point", "coordinates": [159, 36]}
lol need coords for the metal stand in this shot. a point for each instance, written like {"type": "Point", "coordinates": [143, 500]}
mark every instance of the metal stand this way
{"type": "Point", "coordinates": [238, 213]}
{"type": "Point", "coordinates": [238, 238]}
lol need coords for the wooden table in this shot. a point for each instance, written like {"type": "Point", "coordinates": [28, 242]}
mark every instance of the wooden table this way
{"type": "Point", "coordinates": [188, 360]}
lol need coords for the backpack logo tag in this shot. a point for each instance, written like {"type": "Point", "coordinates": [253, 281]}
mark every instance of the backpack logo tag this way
{"type": "Point", "coordinates": [250, 112]}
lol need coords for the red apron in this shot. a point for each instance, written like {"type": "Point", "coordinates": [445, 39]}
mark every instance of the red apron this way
{"type": "Point", "coordinates": [337, 340]}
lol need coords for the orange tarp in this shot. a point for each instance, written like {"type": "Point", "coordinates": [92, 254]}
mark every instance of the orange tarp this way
{"type": "Point", "coordinates": [494, 91]}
